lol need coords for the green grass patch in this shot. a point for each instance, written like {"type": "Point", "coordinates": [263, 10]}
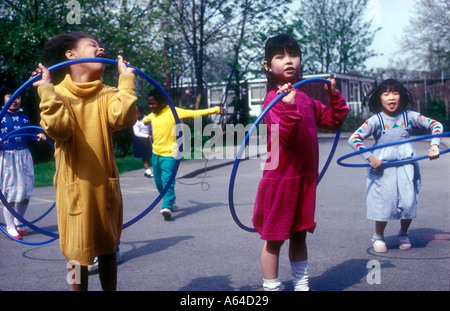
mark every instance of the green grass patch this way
{"type": "Point", "coordinates": [129, 163]}
{"type": "Point", "coordinates": [44, 172]}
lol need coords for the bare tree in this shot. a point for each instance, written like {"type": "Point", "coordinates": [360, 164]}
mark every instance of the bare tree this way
{"type": "Point", "coordinates": [427, 38]}
{"type": "Point", "coordinates": [252, 22]}
{"type": "Point", "coordinates": [334, 35]}
{"type": "Point", "coordinates": [200, 24]}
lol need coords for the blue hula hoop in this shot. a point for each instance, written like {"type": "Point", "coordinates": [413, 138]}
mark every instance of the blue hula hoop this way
{"type": "Point", "coordinates": [247, 138]}
{"type": "Point", "coordinates": [26, 242]}
{"type": "Point", "coordinates": [104, 61]}
{"type": "Point", "coordinates": [392, 163]}
{"type": "Point", "coordinates": [30, 224]}
{"type": "Point", "coordinates": [25, 128]}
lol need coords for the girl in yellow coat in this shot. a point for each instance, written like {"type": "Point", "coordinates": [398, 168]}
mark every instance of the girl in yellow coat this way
{"type": "Point", "coordinates": [80, 113]}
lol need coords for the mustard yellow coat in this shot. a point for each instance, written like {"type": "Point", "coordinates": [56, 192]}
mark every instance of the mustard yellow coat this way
{"type": "Point", "coordinates": [81, 117]}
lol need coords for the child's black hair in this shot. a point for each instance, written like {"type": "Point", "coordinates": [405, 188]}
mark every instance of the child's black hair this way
{"type": "Point", "coordinates": [276, 45]}
{"type": "Point", "coordinates": [158, 96]}
{"type": "Point", "coordinates": [373, 99]}
{"type": "Point", "coordinates": [54, 51]}
{"type": "Point", "coordinates": [4, 90]}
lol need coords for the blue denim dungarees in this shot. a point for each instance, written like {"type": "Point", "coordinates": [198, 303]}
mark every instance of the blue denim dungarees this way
{"type": "Point", "coordinates": [392, 191]}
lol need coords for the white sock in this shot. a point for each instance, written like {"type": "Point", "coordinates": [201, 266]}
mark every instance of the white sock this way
{"type": "Point", "coordinates": [271, 285]}
{"type": "Point", "coordinates": [20, 209]}
{"type": "Point", "coordinates": [9, 221]}
{"type": "Point", "coordinates": [300, 275]}
{"type": "Point", "coordinates": [9, 218]}
{"type": "Point", "coordinates": [377, 237]}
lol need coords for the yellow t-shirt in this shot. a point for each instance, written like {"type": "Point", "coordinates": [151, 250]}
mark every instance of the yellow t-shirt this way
{"type": "Point", "coordinates": [164, 144]}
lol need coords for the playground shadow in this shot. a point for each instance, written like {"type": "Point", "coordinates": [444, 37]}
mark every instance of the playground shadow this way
{"type": "Point", "coordinates": [144, 248]}
{"type": "Point", "coordinates": [341, 276]}
{"type": "Point", "coordinates": [192, 207]}
{"type": "Point", "coordinates": [420, 237]}
{"type": "Point", "coordinates": [215, 283]}
{"type": "Point", "coordinates": [210, 283]}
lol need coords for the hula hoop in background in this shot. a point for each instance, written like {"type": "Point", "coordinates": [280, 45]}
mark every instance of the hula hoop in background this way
{"type": "Point", "coordinates": [247, 138]}
{"type": "Point", "coordinates": [25, 128]}
{"type": "Point", "coordinates": [6, 204]}
{"type": "Point", "coordinates": [104, 61]}
{"type": "Point", "coordinates": [392, 163]}
{"type": "Point", "coordinates": [26, 242]}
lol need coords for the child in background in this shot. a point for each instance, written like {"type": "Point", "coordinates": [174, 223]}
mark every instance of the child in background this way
{"type": "Point", "coordinates": [142, 142]}
{"type": "Point", "coordinates": [16, 165]}
{"type": "Point", "coordinates": [164, 144]}
{"type": "Point", "coordinates": [392, 192]}
{"type": "Point", "coordinates": [285, 201]}
{"type": "Point", "coordinates": [80, 114]}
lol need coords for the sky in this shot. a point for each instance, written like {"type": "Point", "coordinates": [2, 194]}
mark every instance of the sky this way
{"type": "Point", "coordinates": [393, 17]}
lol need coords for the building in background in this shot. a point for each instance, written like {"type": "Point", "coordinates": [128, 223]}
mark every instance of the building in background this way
{"type": "Point", "coordinates": [352, 87]}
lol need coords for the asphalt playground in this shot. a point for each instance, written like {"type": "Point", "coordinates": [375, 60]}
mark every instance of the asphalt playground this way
{"type": "Point", "coordinates": [202, 249]}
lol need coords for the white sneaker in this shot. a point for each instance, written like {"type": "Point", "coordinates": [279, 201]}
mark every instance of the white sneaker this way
{"type": "Point", "coordinates": [93, 266]}
{"type": "Point", "coordinates": [167, 214]}
{"type": "Point", "coordinates": [404, 242]}
{"type": "Point", "coordinates": [379, 246]}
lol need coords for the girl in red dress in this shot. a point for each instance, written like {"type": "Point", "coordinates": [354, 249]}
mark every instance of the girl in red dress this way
{"type": "Point", "coordinates": [285, 201]}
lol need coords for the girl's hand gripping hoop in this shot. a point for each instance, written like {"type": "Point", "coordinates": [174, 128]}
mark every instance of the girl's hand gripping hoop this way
{"type": "Point", "coordinates": [392, 163]}
{"type": "Point", "coordinates": [252, 129]}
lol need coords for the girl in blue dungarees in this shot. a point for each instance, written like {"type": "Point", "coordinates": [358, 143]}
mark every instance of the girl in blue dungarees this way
{"type": "Point", "coordinates": [391, 192]}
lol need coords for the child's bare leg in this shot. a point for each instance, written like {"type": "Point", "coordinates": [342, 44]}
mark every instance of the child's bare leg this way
{"type": "Point", "coordinates": [107, 268]}
{"type": "Point", "coordinates": [379, 227]}
{"type": "Point", "coordinates": [404, 224]}
{"type": "Point", "coordinates": [269, 263]}
{"type": "Point", "coordinates": [297, 246]}
{"type": "Point", "coordinates": [83, 278]}
{"type": "Point", "coordinates": [269, 259]}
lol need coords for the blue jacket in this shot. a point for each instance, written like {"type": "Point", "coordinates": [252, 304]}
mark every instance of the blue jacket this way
{"type": "Point", "coordinates": [10, 122]}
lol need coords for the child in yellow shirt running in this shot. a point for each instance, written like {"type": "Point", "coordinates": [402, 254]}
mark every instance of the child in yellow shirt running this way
{"type": "Point", "coordinates": [165, 146]}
